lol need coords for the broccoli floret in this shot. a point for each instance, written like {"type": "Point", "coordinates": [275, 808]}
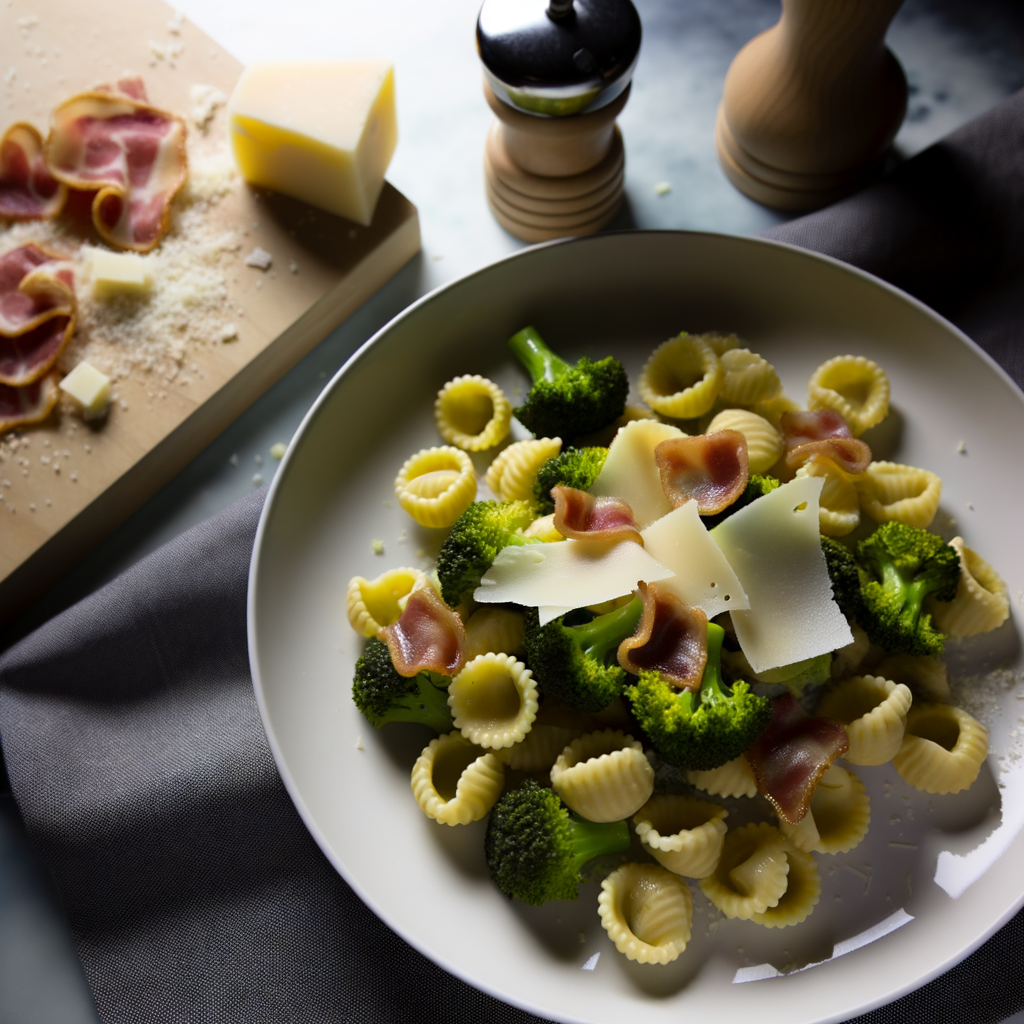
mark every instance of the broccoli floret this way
{"type": "Point", "coordinates": [900, 566]}
{"type": "Point", "coordinates": [844, 577]}
{"type": "Point", "coordinates": [383, 696]}
{"type": "Point", "coordinates": [535, 847]}
{"type": "Point", "coordinates": [575, 467]}
{"type": "Point", "coordinates": [567, 401]}
{"type": "Point", "coordinates": [576, 664]}
{"type": "Point", "coordinates": [475, 539]}
{"type": "Point", "coordinates": [757, 487]}
{"type": "Point", "coordinates": [699, 730]}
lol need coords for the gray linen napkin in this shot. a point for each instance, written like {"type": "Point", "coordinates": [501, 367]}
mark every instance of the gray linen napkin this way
{"type": "Point", "coordinates": [138, 761]}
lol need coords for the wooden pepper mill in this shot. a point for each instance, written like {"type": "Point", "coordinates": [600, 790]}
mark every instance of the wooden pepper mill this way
{"type": "Point", "coordinates": [556, 75]}
{"type": "Point", "coordinates": [811, 106]}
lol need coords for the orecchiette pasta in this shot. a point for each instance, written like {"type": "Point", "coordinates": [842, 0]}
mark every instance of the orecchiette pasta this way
{"type": "Point", "coordinates": [603, 776]}
{"type": "Point", "coordinates": [436, 485]}
{"type": "Point", "coordinates": [848, 659]}
{"type": "Point", "coordinates": [373, 604]}
{"type": "Point", "coordinates": [889, 491]}
{"type": "Point", "coordinates": [803, 890]}
{"type": "Point", "coordinates": [838, 817]}
{"type": "Point", "coordinates": [555, 726]}
{"type": "Point", "coordinates": [751, 874]}
{"type": "Point", "coordinates": [854, 387]}
{"type": "Point", "coordinates": [721, 343]}
{"type": "Point", "coordinates": [455, 782]}
{"type": "Point", "coordinates": [647, 912]}
{"type": "Point", "coordinates": [747, 377]}
{"type": "Point", "coordinates": [682, 378]}
{"type": "Point", "coordinates": [493, 700]}
{"type": "Point", "coordinates": [980, 604]}
{"type": "Point", "coordinates": [773, 408]}
{"type": "Point", "coordinates": [764, 442]}
{"type": "Point", "coordinates": [543, 529]}
{"type": "Point", "coordinates": [472, 413]}
{"type": "Point", "coordinates": [925, 676]}
{"type": "Point", "coordinates": [512, 473]}
{"type": "Point", "coordinates": [873, 710]}
{"type": "Point", "coordinates": [682, 834]}
{"type": "Point", "coordinates": [492, 629]}
{"type": "Point", "coordinates": [839, 504]}
{"type": "Point", "coordinates": [734, 778]}
{"type": "Point", "coordinates": [943, 749]}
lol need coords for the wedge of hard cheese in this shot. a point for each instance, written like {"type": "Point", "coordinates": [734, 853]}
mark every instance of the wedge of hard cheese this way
{"type": "Point", "coordinates": [322, 131]}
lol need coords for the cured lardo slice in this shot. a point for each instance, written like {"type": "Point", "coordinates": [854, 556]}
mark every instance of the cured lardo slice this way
{"type": "Point", "coordinates": [37, 313]}
{"type": "Point", "coordinates": [631, 473]}
{"type": "Point", "coordinates": [711, 469]}
{"type": "Point", "coordinates": [581, 516]}
{"type": "Point", "coordinates": [30, 404]}
{"type": "Point", "coordinates": [703, 577]}
{"type": "Point", "coordinates": [567, 574]}
{"type": "Point", "coordinates": [130, 154]}
{"type": "Point", "coordinates": [822, 432]}
{"type": "Point", "coordinates": [28, 191]}
{"type": "Point", "coordinates": [427, 636]}
{"type": "Point", "coordinates": [774, 547]}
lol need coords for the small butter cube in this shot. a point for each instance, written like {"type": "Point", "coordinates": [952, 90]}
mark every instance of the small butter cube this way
{"type": "Point", "coordinates": [89, 388]}
{"type": "Point", "coordinates": [114, 272]}
{"type": "Point", "coordinates": [322, 131]}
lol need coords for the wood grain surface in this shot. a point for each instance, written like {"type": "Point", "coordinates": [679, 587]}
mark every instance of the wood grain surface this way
{"type": "Point", "coordinates": [49, 50]}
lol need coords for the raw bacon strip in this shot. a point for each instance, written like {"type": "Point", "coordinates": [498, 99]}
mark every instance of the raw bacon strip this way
{"type": "Point", "coordinates": [131, 154]}
{"type": "Point", "coordinates": [713, 469]}
{"type": "Point", "coordinates": [37, 313]}
{"type": "Point", "coordinates": [581, 516]}
{"type": "Point", "coordinates": [30, 404]}
{"type": "Point", "coordinates": [428, 635]}
{"type": "Point", "coordinates": [792, 754]}
{"type": "Point", "coordinates": [823, 432]}
{"type": "Point", "coordinates": [672, 639]}
{"type": "Point", "coordinates": [28, 191]}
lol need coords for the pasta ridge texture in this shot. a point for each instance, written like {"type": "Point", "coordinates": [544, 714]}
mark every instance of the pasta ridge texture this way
{"type": "Point", "coordinates": [492, 629]}
{"type": "Point", "coordinates": [981, 603]}
{"type": "Point", "coordinates": [839, 503]}
{"type": "Point", "coordinates": [436, 485]}
{"type": "Point", "coordinates": [838, 817]}
{"type": "Point", "coordinates": [873, 710]}
{"type": "Point", "coordinates": [472, 413]}
{"type": "Point", "coordinates": [854, 387]}
{"type": "Point", "coordinates": [803, 890]}
{"type": "Point", "coordinates": [747, 378]}
{"type": "Point", "coordinates": [751, 874]}
{"type": "Point", "coordinates": [682, 834]}
{"type": "Point", "coordinates": [373, 604]}
{"type": "Point", "coordinates": [734, 778]}
{"type": "Point", "coordinates": [681, 378]}
{"type": "Point", "coordinates": [943, 749]}
{"type": "Point", "coordinates": [764, 442]}
{"type": "Point", "coordinates": [512, 474]}
{"type": "Point", "coordinates": [493, 700]}
{"type": "Point", "coordinates": [889, 491]}
{"type": "Point", "coordinates": [455, 782]}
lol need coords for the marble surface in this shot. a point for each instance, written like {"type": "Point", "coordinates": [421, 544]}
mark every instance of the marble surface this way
{"type": "Point", "coordinates": [960, 60]}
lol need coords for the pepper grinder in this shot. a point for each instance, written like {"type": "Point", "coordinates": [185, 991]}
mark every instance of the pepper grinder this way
{"type": "Point", "coordinates": [811, 106]}
{"type": "Point", "coordinates": [556, 74]}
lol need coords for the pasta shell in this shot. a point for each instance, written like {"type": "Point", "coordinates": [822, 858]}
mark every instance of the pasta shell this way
{"type": "Point", "coordinates": [747, 377]}
{"type": "Point", "coordinates": [512, 473]}
{"type": "Point", "coordinates": [925, 676]}
{"type": "Point", "coordinates": [472, 413]}
{"type": "Point", "coordinates": [436, 485]}
{"type": "Point", "coordinates": [773, 408]}
{"type": "Point", "coordinates": [889, 491]}
{"type": "Point", "coordinates": [838, 818]}
{"type": "Point", "coordinates": [839, 504]}
{"type": "Point", "coordinates": [751, 874]}
{"type": "Point", "coordinates": [555, 726]}
{"type": "Point", "coordinates": [848, 659]}
{"type": "Point", "coordinates": [682, 377]}
{"type": "Point", "coordinates": [494, 630]}
{"type": "Point", "coordinates": [873, 710]}
{"type": "Point", "coordinates": [647, 912]}
{"type": "Point", "coordinates": [721, 343]}
{"type": "Point", "coordinates": [373, 604]}
{"type": "Point", "coordinates": [455, 782]}
{"type": "Point", "coordinates": [682, 834]}
{"type": "Point", "coordinates": [803, 890]}
{"type": "Point", "coordinates": [603, 776]}
{"type": "Point", "coordinates": [734, 778]}
{"type": "Point", "coordinates": [764, 442]}
{"type": "Point", "coordinates": [854, 387]}
{"type": "Point", "coordinates": [980, 604]}
{"type": "Point", "coordinates": [943, 749]}
{"type": "Point", "coordinates": [493, 700]}
{"type": "Point", "coordinates": [543, 529]}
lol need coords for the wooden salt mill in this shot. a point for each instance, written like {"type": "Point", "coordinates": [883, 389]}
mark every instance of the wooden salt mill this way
{"type": "Point", "coordinates": [811, 106]}
{"type": "Point", "coordinates": [556, 75]}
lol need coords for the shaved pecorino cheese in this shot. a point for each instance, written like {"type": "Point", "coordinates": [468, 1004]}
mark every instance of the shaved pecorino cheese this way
{"type": "Point", "coordinates": [566, 574]}
{"type": "Point", "coordinates": [792, 754]}
{"type": "Point", "coordinates": [130, 154]}
{"type": "Point", "coordinates": [30, 404]}
{"type": "Point", "coordinates": [28, 191]}
{"type": "Point", "coordinates": [631, 473]}
{"type": "Point", "coordinates": [581, 516]}
{"type": "Point", "coordinates": [703, 577]}
{"type": "Point", "coordinates": [37, 313]}
{"type": "Point", "coordinates": [711, 469]}
{"type": "Point", "coordinates": [427, 636]}
{"type": "Point", "coordinates": [774, 547]}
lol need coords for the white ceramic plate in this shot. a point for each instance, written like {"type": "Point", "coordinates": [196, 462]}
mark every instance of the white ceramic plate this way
{"type": "Point", "coordinates": [623, 294]}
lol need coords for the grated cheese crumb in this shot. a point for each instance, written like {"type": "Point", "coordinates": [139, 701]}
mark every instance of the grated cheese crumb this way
{"type": "Point", "coordinates": [359, 743]}
{"type": "Point", "coordinates": [961, 447]}
{"type": "Point", "coordinates": [662, 188]}
{"type": "Point", "coordinates": [277, 451]}
{"type": "Point", "coordinates": [377, 545]}
{"type": "Point", "coordinates": [259, 258]}
{"type": "Point", "coordinates": [257, 479]}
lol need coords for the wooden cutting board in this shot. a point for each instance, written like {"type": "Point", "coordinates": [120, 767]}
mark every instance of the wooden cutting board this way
{"type": "Point", "coordinates": [61, 498]}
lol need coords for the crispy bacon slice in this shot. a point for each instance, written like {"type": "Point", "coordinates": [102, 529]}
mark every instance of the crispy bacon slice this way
{"type": "Point", "coordinates": [428, 635]}
{"type": "Point", "coordinates": [711, 468]}
{"type": "Point", "coordinates": [581, 516]}
{"type": "Point", "coordinates": [30, 404]}
{"type": "Point", "coordinates": [823, 432]}
{"type": "Point", "coordinates": [671, 639]}
{"type": "Point", "coordinates": [37, 312]}
{"type": "Point", "coordinates": [28, 191]}
{"type": "Point", "coordinates": [791, 755]}
{"type": "Point", "coordinates": [131, 154]}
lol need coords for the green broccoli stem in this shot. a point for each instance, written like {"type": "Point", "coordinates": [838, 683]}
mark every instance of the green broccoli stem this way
{"type": "Point", "coordinates": [912, 592]}
{"type": "Point", "coordinates": [711, 682]}
{"type": "Point", "coordinates": [602, 635]}
{"type": "Point", "coordinates": [541, 363]}
{"type": "Point", "coordinates": [592, 839]}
